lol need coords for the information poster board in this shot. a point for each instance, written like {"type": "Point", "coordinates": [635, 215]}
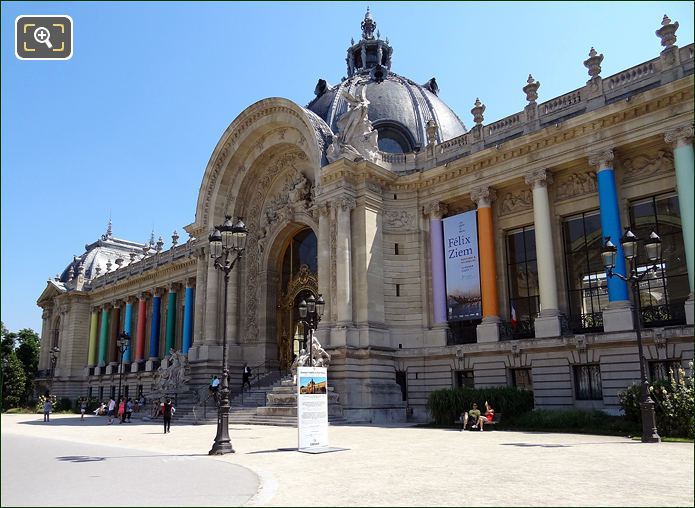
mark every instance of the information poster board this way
{"type": "Point", "coordinates": [463, 300]}
{"type": "Point", "coordinates": [312, 407]}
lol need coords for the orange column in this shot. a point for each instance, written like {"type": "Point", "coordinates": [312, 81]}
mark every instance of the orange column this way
{"type": "Point", "coordinates": [486, 247]}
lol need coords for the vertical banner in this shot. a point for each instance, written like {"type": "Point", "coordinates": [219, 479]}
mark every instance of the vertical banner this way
{"type": "Point", "coordinates": [312, 407]}
{"type": "Point", "coordinates": [462, 263]}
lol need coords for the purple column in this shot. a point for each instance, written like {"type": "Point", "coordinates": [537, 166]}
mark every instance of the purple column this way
{"type": "Point", "coordinates": [437, 258]}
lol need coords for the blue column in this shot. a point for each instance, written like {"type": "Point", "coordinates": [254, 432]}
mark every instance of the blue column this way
{"type": "Point", "coordinates": [128, 328]}
{"type": "Point", "coordinates": [187, 319]}
{"type": "Point", "coordinates": [610, 219]}
{"type": "Point", "coordinates": [154, 332]}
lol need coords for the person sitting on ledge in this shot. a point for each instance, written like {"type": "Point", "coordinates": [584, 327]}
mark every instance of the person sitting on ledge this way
{"type": "Point", "coordinates": [474, 415]}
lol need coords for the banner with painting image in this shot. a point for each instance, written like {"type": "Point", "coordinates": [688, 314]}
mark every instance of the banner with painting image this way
{"type": "Point", "coordinates": [462, 266]}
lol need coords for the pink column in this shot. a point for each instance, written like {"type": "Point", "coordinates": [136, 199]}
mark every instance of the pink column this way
{"type": "Point", "coordinates": [142, 318]}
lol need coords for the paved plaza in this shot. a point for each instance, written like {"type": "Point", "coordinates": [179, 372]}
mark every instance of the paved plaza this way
{"type": "Point", "coordinates": [382, 466]}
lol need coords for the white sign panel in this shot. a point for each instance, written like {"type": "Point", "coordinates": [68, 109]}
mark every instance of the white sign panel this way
{"type": "Point", "coordinates": [463, 299]}
{"type": "Point", "coordinates": [312, 407]}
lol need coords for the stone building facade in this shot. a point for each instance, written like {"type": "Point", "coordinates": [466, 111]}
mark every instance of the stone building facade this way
{"type": "Point", "coordinates": [345, 198]}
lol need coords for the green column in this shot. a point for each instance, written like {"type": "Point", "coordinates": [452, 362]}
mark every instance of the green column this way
{"type": "Point", "coordinates": [103, 336]}
{"type": "Point", "coordinates": [93, 327]}
{"type": "Point", "coordinates": [171, 320]}
{"type": "Point", "coordinates": [682, 140]}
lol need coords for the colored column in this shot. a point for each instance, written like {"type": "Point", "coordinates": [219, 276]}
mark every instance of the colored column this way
{"type": "Point", "coordinates": [436, 212]}
{"type": "Point", "coordinates": [93, 336]}
{"type": "Point", "coordinates": [103, 335]}
{"type": "Point", "coordinates": [142, 320]}
{"type": "Point", "coordinates": [682, 141]}
{"type": "Point", "coordinates": [113, 354]}
{"type": "Point", "coordinates": [188, 306]}
{"type": "Point", "coordinates": [610, 219]}
{"type": "Point", "coordinates": [154, 332]}
{"type": "Point", "coordinates": [486, 247]}
{"type": "Point", "coordinates": [171, 319]}
{"type": "Point", "coordinates": [128, 328]}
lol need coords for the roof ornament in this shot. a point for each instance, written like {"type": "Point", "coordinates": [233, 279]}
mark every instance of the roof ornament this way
{"type": "Point", "coordinates": [71, 273]}
{"type": "Point", "coordinates": [174, 238]}
{"type": "Point", "coordinates": [356, 138]}
{"type": "Point", "coordinates": [593, 63]}
{"type": "Point", "coordinates": [531, 89]}
{"type": "Point", "coordinates": [152, 238]}
{"type": "Point", "coordinates": [145, 249]}
{"type": "Point", "coordinates": [132, 256]}
{"type": "Point", "coordinates": [119, 262]}
{"type": "Point", "coordinates": [160, 245]}
{"type": "Point", "coordinates": [109, 264]}
{"type": "Point", "coordinates": [667, 32]}
{"type": "Point", "coordinates": [368, 26]}
{"type": "Point", "coordinates": [432, 86]}
{"type": "Point", "coordinates": [109, 234]}
{"type": "Point", "coordinates": [478, 110]}
{"type": "Point", "coordinates": [97, 270]}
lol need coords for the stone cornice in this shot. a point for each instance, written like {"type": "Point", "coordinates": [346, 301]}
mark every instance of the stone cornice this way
{"type": "Point", "coordinates": [583, 130]}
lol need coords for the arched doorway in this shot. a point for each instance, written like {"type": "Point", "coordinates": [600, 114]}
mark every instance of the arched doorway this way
{"type": "Point", "coordinates": [298, 280]}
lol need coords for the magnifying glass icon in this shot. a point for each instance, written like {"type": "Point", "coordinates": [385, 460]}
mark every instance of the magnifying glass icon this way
{"type": "Point", "coordinates": [43, 36]}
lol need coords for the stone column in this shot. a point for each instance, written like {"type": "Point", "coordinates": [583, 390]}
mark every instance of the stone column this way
{"type": "Point", "coordinates": [188, 303]}
{"type": "Point", "coordinates": [93, 334]}
{"type": "Point", "coordinates": [344, 261]}
{"type": "Point", "coordinates": [547, 324]}
{"type": "Point", "coordinates": [681, 139]}
{"type": "Point", "coordinates": [436, 211]}
{"type": "Point", "coordinates": [112, 353]}
{"type": "Point", "coordinates": [200, 286]}
{"type": "Point", "coordinates": [211, 306]}
{"type": "Point", "coordinates": [618, 315]}
{"type": "Point", "coordinates": [103, 335]}
{"type": "Point", "coordinates": [233, 307]}
{"type": "Point", "coordinates": [324, 257]}
{"type": "Point", "coordinates": [170, 337]}
{"type": "Point", "coordinates": [488, 330]}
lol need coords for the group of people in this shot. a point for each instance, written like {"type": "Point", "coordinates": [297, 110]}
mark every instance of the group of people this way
{"type": "Point", "coordinates": [123, 410]}
{"type": "Point", "coordinates": [477, 419]}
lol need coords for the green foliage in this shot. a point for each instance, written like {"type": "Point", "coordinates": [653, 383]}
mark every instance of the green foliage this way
{"type": "Point", "coordinates": [42, 399]}
{"type": "Point", "coordinates": [13, 382]}
{"type": "Point", "coordinates": [65, 404]}
{"type": "Point", "coordinates": [674, 403]}
{"type": "Point", "coordinates": [20, 358]}
{"type": "Point", "coordinates": [572, 420]}
{"type": "Point", "coordinates": [446, 406]}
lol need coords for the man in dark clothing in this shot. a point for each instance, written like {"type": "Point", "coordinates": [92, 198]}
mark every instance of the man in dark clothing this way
{"type": "Point", "coordinates": [246, 377]}
{"type": "Point", "coordinates": [167, 411]}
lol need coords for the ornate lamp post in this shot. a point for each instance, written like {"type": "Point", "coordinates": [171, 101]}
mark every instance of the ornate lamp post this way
{"type": "Point", "coordinates": [123, 345]}
{"type": "Point", "coordinates": [54, 352]}
{"type": "Point", "coordinates": [310, 314]}
{"type": "Point", "coordinates": [227, 244]}
{"type": "Point", "coordinates": [633, 277]}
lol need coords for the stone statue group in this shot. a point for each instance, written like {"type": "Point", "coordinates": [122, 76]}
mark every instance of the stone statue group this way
{"type": "Point", "coordinates": [319, 357]}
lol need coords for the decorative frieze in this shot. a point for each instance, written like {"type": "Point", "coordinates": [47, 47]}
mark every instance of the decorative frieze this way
{"type": "Point", "coordinates": [399, 220]}
{"type": "Point", "coordinates": [516, 201]}
{"type": "Point", "coordinates": [647, 164]}
{"type": "Point", "coordinates": [576, 184]}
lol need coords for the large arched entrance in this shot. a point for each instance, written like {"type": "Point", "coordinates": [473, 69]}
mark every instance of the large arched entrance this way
{"type": "Point", "coordinates": [298, 280]}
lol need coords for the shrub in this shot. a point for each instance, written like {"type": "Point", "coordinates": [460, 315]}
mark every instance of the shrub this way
{"type": "Point", "coordinates": [674, 403]}
{"type": "Point", "coordinates": [446, 405]}
{"type": "Point", "coordinates": [572, 420]}
{"type": "Point", "coordinates": [64, 404]}
{"type": "Point", "coordinates": [42, 399]}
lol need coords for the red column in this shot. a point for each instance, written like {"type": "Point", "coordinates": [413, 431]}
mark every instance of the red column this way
{"type": "Point", "coordinates": [142, 318]}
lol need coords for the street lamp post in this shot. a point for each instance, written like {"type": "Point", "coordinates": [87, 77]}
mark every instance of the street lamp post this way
{"type": "Point", "coordinates": [633, 277]}
{"type": "Point", "coordinates": [310, 314]}
{"type": "Point", "coordinates": [227, 244]}
{"type": "Point", "coordinates": [123, 345]}
{"type": "Point", "coordinates": [54, 352]}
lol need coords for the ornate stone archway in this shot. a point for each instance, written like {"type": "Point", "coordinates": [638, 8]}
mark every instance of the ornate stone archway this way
{"type": "Point", "coordinates": [302, 283]}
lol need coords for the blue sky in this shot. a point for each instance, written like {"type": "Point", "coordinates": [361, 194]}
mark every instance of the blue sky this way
{"type": "Point", "coordinates": [126, 127]}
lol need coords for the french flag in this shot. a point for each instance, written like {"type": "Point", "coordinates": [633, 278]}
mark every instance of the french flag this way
{"type": "Point", "coordinates": [513, 317]}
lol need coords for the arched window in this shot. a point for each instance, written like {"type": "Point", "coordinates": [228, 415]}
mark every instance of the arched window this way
{"type": "Point", "coordinates": [393, 138]}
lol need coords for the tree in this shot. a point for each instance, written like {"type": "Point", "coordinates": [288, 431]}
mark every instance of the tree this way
{"type": "Point", "coordinates": [20, 359]}
{"type": "Point", "coordinates": [13, 382]}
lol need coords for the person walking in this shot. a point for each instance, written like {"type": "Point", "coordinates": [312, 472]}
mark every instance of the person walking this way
{"type": "Point", "coordinates": [246, 377]}
{"type": "Point", "coordinates": [111, 410]}
{"type": "Point", "coordinates": [83, 408]}
{"type": "Point", "coordinates": [47, 408]}
{"type": "Point", "coordinates": [121, 410]}
{"type": "Point", "coordinates": [167, 410]}
{"type": "Point", "coordinates": [129, 409]}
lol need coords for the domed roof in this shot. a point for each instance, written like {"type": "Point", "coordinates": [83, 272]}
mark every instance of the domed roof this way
{"type": "Point", "coordinates": [399, 108]}
{"type": "Point", "coordinates": [99, 254]}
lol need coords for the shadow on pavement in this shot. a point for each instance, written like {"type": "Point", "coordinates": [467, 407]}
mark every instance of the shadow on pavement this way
{"type": "Point", "coordinates": [89, 458]}
{"type": "Point", "coordinates": [273, 451]}
{"type": "Point", "coordinates": [89, 421]}
{"type": "Point", "coordinates": [537, 445]}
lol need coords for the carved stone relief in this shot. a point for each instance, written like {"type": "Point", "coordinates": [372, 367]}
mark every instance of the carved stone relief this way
{"type": "Point", "coordinates": [647, 164]}
{"type": "Point", "coordinates": [576, 184]}
{"type": "Point", "coordinates": [399, 220]}
{"type": "Point", "coordinates": [516, 201]}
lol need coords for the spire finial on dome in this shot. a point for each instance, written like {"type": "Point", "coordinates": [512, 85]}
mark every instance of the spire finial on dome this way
{"type": "Point", "coordinates": [109, 233]}
{"type": "Point", "coordinates": [368, 26]}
